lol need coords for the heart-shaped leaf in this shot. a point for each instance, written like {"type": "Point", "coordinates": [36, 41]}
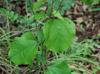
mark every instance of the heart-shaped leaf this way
{"type": "Point", "coordinates": [58, 34]}
{"type": "Point", "coordinates": [23, 49]}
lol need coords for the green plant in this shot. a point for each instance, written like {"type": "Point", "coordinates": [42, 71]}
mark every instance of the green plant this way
{"type": "Point", "coordinates": [12, 17]}
{"type": "Point", "coordinates": [60, 5]}
{"type": "Point", "coordinates": [54, 31]}
{"type": "Point", "coordinates": [9, 14]}
{"type": "Point", "coordinates": [80, 53]}
{"type": "Point", "coordinates": [55, 34]}
{"type": "Point", "coordinates": [91, 2]}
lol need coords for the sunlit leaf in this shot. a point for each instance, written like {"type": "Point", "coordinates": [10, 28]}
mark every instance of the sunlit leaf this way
{"type": "Point", "coordinates": [23, 49]}
{"type": "Point", "coordinates": [58, 34]}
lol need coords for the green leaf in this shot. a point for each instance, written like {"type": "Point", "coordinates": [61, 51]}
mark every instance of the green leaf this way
{"type": "Point", "coordinates": [41, 57]}
{"type": "Point", "coordinates": [74, 73]}
{"type": "Point", "coordinates": [62, 5]}
{"type": "Point", "coordinates": [37, 5]}
{"type": "Point", "coordinates": [58, 67]}
{"type": "Point", "coordinates": [40, 15]}
{"type": "Point", "coordinates": [22, 50]}
{"type": "Point", "coordinates": [27, 20]}
{"type": "Point", "coordinates": [58, 34]}
{"type": "Point", "coordinates": [66, 5]}
{"type": "Point", "coordinates": [28, 36]}
{"type": "Point", "coordinates": [57, 14]}
{"type": "Point", "coordinates": [87, 1]}
{"type": "Point", "coordinates": [40, 36]}
{"type": "Point", "coordinates": [9, 14]}
{"type": "Point", "coordinates": [91, 2]}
